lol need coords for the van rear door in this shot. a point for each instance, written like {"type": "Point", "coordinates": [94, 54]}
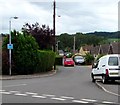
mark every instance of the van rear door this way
{"type": "Point", "coordinates": [114, 68]}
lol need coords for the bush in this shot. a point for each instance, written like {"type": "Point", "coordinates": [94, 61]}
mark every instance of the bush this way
{"type": "Point", "coordinates": [89, 59]}
{"type": "Point", "coordinates": [26, 58]}
{"type": "Point", "coordinates": [59, 60]}
{"type": "Point", "coordinates": [5, 63]}
{"type": "Point", "coordinates": [45, 61]}
{"type": "Point", "coordinates": [23, 54]}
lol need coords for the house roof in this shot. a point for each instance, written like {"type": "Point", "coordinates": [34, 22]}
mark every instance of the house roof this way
{"type": "Point", "coordinates": [105, 48]}
{"type": "Point", "coordinates": [116, 47]}
{"type": "Point", "coordinates": [94, 50]}
{"type": "Point", "coordinates": [87, 47]}
{"type": "Point", "coordinates": [112, 48]}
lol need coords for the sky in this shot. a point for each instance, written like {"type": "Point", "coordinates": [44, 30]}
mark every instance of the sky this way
{"type": "Point", "coordinates": [71, 15]}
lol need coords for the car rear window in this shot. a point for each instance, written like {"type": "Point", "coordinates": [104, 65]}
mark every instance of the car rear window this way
{"type": "Point", "coordinates": [78, 57]}
{"type": "Point", "coordinates": [68, 59]}
{"type": "Point", "coordinates": [113, 61]}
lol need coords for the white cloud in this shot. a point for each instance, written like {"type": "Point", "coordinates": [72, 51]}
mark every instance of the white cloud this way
{"type": "Point", "coordinates": [76, 15]}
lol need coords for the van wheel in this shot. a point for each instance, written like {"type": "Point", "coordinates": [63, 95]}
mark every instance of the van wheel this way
{"type": "Point", "coordinates": [104, 80]}
{"type": "Point", "coordinates": [113, 81]}
{"type": "Point", "coordinates": [93, 79]}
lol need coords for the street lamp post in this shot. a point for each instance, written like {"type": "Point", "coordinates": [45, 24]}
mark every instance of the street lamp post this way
{"type": "Point", "coordinates": [9, 45]}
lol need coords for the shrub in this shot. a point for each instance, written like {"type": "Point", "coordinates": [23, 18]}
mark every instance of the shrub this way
{"type": "Point", "coordinates": [45, 61]}
{"type": "Point", "coordinates": [5, 63]}
{"type": "Point", "coordinates": [26, 58]}
{"type": "Point", "coordinates": [59, 60]}
{"type": "Point", "coordinates": [89, 58]}
{"type": "Point", "coordinates": [23, 54]}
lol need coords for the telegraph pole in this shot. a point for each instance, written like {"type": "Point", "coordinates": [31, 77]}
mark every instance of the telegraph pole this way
{"type": "Point", "coordinates": [54, 13]}
{"type": "Point", "coordinates": [74, 45]}
{"type": "Point", "coordinates": [54, 7]}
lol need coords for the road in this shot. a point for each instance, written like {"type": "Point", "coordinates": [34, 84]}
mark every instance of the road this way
{"type": "Point", "coordinates": [68, 85]}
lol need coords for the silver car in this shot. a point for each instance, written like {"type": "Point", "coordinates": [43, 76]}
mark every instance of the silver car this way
{"type": "Point", "coordinates": [79, 60]}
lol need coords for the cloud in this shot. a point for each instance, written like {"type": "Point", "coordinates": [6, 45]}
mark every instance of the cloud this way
{"type": "Point", "coordinates": [75, 15]}
{"type": "Point", "coordinates": [26, 12]}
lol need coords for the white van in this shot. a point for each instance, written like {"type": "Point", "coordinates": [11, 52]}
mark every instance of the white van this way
{"type": "Point", "coordinates": [106, 68]}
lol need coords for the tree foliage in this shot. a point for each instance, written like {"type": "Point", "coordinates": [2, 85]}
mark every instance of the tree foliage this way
{"type": "Point", "coordinates": [43, 34]}
{"type": "Point", "coordinates": [89, 58]}
{"type": "Point", "coordinates": [26, 58]}
{"type": "Point", "coordinates": [67, 40]}
{"type": "Point", "coordinates": [23, 54]}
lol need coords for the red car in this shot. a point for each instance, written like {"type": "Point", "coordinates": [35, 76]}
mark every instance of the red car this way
{"type": "Point", "coordinates": [68, 62]}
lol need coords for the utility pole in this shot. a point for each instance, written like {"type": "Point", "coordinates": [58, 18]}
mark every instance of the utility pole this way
{"type": "Point", "coordinates": [74, 45]}
{"type": "Point", "coordinates": [54, 46]}
{"type": "Point", "coordinates": [58, 45]}
{"type": "Point", "coordinates": [54, 7]}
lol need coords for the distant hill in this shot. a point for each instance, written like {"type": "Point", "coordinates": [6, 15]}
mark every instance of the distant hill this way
{"type": "Point", "coordinates": [106, 34]}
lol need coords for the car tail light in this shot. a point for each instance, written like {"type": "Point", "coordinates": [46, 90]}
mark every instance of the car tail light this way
{"type": "Point", "coordinates": [107, 73]}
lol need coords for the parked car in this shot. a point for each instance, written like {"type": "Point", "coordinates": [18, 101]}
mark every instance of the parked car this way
{"type": "Point", "coordinates": [79, 60]}
{"type": "Point", "coordinates": [67, 54]}
{"type": "Point", "coordinates": [61, 52]}
{"type": "Point", "coordinates": [106, 68]}
{"type": "Point", "coordinates": [68, 62]}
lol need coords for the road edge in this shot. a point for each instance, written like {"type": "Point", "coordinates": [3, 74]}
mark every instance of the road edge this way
{"type": "Point", "coordinates": [18, 77]}
{"type": "Point", "coordinates": [105, 90]}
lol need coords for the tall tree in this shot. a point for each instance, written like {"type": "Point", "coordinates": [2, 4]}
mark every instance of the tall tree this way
{"type": "Point", "coordinates": [43, 34]}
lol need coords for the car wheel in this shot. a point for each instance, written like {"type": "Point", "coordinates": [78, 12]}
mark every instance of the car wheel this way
{"type": "Point", "coordinates": [104, 80]}
{"type": "Point", "coordinates": [93, 79]}
{"type": "Point", "coordinates": [113, 81]}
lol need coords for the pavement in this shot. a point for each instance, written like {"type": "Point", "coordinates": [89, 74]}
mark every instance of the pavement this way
{"type": "Point", "coordinates": [38, 75]}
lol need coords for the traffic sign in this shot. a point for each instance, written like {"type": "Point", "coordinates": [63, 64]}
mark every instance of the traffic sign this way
{"type": "Point", "coordinates": [9, 46]}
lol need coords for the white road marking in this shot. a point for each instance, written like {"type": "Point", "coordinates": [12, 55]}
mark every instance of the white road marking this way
{"type": "Point", "coordinates": [107, 102]}
{"type": "Point", "coordinates": [19, 94]}
{"type": "Point", "coordinates": [2, 90]}
{"type": "Point", "coordinates": [35, 96]}
{"type": "Point", "coordinates": [79, 101]}
{"type": "Point", "coordinates": [15, 85]}
{"type": "Point", "coordinates": [67, 97]}
{"type": "Point", "coordinates": [90, 100]}
{"type": "Point", "coordinates": [5, 92]}
{"type": "Point", "coordinates": [48, 95]}
{"type": "Point", "coordinates": [107, 90]}
{"type": "Point", "coordinates": [61, 99]}
{"type": "Point", "coordinates": [31, 93]}
{"type": "Point", "coordinates": [14, 91]}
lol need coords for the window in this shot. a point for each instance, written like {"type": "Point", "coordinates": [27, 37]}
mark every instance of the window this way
{"type": "Point", "coordinates": [113, 61]}
{"type": "Point", "coordinates": [95, 65]}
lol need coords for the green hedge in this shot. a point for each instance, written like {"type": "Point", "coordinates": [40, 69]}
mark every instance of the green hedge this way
{"type": "Point", "coordinates": [5, 62]}
{"type": "Point", "coordinates": [89, 59]}
{"type": "Point", "coordinates": [26, 58]}
{"type": "Point", "coordinates": [58, 60]}
{"type": "Point", "coordinates": [45, 61]}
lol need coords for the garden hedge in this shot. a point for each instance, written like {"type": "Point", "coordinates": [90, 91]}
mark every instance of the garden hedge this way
{"type": "Point", "coordinates": [59, 60]}
{"type": "Point", "coordinates": [45, 61]}
{"type": "Point", "coordinates": [26, 58]}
